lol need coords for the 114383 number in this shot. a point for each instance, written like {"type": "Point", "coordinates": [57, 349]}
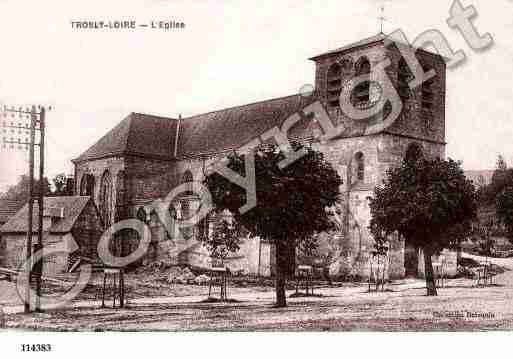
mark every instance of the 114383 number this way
{"type": "Point", "coordinates": [36, 347]}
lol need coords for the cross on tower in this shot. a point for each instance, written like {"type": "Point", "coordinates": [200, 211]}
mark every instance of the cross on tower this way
{"type": "Point", "coordinates": [381, 18]}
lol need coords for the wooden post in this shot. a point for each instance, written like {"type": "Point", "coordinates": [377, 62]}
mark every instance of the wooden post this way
{"type": "Point", "coordinates": [39, 243]}
{"type": "Point", "coordinates": [28, 253]}
{"type": "Point", "coordinates": [114, 290]}
{"type": "Point", "coordinates": [210, 284]}
{"type": "Point", "coordinates": [370, 274]}
{"type": "Point", "coordinates": [103, 288]}
{"type": "Point", "coordinates": [121, 288]}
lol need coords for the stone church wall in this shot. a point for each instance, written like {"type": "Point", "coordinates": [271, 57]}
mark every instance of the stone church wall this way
{"type": "Point", "coordinates": [146, 179]}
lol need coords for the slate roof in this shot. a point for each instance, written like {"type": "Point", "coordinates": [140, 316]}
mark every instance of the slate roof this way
{"type": "Point", "coordinates": [234, 127]}
{"type": "Point", "coordinates": [212, 132]}
{"type": "Point", "coordinates": [137, 134]}
{"type": "Point", "coordinates": [73, 207]}
{"type": "Point", "coordinates": [8, 208]}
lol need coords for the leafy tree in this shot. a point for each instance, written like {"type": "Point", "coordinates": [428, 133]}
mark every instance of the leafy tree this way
{"type": "Point", "coordinates": [484, 231]}
{"type": "Point", "coordinates": [326, 252]}
{"type": "Point", "coordinates": [502, 177]}
{"type": "Point", "coordinates": [224, 239]}
{"type": "Point", "coordinates": [21, 190]}
{"type": "Point", "coordinates": [60, 185]}
{"type": "Point", "coordinates": [504, 209]}
{"type": "Point", "coordinates": [423, 200]}
{"type": "Point", "coordinates": [292, 202]}
{"type": "Point", "coordinates": [501, 164]}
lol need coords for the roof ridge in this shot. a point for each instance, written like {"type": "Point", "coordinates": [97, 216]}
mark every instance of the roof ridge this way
{"type": "Point", "coordinates": [365, 41]}
{"type": "Point", "coordinates": [240, 106]}
{"type": "Point", "coordinates": [152, 115]}
{"type": "Point", "coordinates": [129, 134]}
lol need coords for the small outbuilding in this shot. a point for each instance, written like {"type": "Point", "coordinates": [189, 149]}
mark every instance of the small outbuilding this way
{"type": "Point", "coordinates": [65, 219]}
{"type": "Point", "coordinates": [8, 208]}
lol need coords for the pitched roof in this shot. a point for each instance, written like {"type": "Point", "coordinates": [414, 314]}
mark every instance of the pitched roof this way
{"type": "Point", "coordinates": [379, 38]}
{"type": "Point", "coordinates": [72, 205]}
{"type": "Point", "coordinates": [137, 134]}
{"type": "Point", "coordinates": [367, 41]}
{"type": "Point", "coordinates": [8, 208]}
{"type": "Point", "coordinates": [211, 132]}
{"type": "Point", "coordinates": [234, 127]}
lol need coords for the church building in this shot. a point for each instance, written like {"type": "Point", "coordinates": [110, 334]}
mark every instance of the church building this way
{"type": "Point", "coordinates": [144, 157]}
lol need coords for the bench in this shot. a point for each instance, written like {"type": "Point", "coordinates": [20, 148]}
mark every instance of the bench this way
{"type": "Point", "coordinates": [304, 278]}
{"type": "Point", "coordinates": [219, 276]}
{"type": "Point", "coordinates": [440, 273]}
{"type": "Point", "coordinates": [484, 274]}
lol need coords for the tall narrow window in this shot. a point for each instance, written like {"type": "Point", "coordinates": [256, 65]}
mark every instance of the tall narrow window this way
{"type": "Point", "coordinates": [141, 215]}
{"type": "Point", "coordinates": [362, 91]}
{"type": "Point", "coordinates": [413, 152]}
{"type": "Point", "coordinates": [428, 95]}
{"type": "Point", "coordinates": [121, 212]}
{"type": "Point", "coordinates": [106, 199]}
{"type": "Point", "coordinates": [360, 166]}
{"type": "Point", "coordinates": [187, 178]}
{"type": "Point", "coordinates": [403, 79]}
{"type": "Point", "coordinates": [334, 85]}
{"type": "Point", "coordinates": [188, 205]}
{"type": "Point", "coordinates": [87, 185]}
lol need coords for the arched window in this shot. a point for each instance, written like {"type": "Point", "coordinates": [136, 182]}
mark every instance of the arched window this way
{"type": "Point", "coordinates": [188, 232]}
{"type": "Point", "coordinates": [106, 199]}
{"type": "Point", "coordinates": [121, 200]}
{"type": "Point", "coordinates": [427, 93]}
{"type": "Point", "coordinates": [141, 215]}
{"type": "Point", "coordinates": [171, 226]}
{"type": "Point", "coordinates": [413, 152]}
{"type": "Point", "coordinates": [360, 166]}
{"type": "Point", "coordinates": [188, 179]}
{"type": "Point", "coordinates": [362, 91]}
{"type": "Point", "coordinates": [334, 84]}
{"type": "Point", "coordinates": [87, 185]}
{"type": "Point", "coordinates": [346, 65]}
{"type": "Point", "coordinates": [403, 78]}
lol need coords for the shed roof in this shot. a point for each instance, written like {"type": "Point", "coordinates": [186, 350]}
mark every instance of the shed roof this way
{"type": "Point", "coordinates": [8, 208]}
{"type": "Point", "coordinates": [71, 205]}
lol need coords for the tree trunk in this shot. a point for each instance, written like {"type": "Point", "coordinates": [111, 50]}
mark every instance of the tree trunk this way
{"type": "Point", "coordinates": [281, 272]}
{"type": "Point", "coordinates": [428, 271]}
{"type": "Point", "coordinates": [458, 254]}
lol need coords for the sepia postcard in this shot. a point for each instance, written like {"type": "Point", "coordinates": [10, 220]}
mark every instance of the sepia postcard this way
{"type": "Point", "coordinates": [255, 167]}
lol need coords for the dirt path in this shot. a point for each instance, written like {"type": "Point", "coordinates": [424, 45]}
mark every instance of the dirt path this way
{"type": "Point", "coordinates": [404, 307]}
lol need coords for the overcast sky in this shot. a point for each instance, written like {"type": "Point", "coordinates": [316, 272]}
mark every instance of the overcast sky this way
{"type": "Point", "coordinates": [230, 53]}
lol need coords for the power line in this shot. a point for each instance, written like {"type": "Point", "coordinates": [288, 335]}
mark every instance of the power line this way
{"type": "Point", "coordinates": [10, 124]}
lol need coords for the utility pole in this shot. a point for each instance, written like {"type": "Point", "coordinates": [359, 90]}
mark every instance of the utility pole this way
{"type": "Point", "coordinates": [8, 123]}
{"type": "Point", "coordinates": [28, 252]}
{"type": "Point", "coordinates": [39, 244]}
